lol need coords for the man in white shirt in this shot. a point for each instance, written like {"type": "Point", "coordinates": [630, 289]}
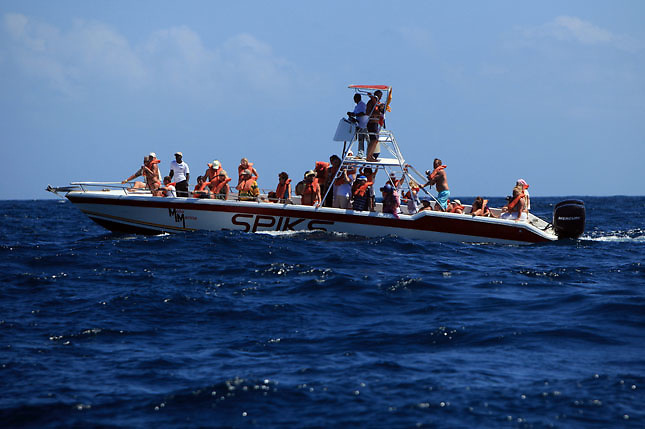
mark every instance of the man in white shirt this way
{"type": "Point", "coordinates": [361, 121]}
{"type": "Point", "coordinates": [180, 174]}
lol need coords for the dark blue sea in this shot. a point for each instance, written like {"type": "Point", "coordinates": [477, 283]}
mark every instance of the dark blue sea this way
{"type": "Point", "coordinates": [228, 329]}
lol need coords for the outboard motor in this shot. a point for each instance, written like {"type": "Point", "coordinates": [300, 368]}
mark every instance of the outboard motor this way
{"type": "Point", "coordinates": [569, 219]}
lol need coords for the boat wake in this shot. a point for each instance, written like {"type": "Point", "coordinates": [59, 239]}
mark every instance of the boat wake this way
{"type": "Point", "coordinates": [285, 233]}
{"type": "Point", "coordinates": [631, 236]}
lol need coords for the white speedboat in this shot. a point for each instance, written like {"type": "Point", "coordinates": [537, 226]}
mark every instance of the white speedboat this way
{"type": "Point", "coordinates": [123, 209]}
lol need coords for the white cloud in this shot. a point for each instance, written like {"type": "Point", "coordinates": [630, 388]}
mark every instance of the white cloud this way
{"type": "Point", "coordinates": [96, 48]}
{"type": "Point", "coordinates": [19, 29]}
{"type": "Point", "coordinates": [254, 60]}
{"type": "Point", "coordinates": [573, 29]}
{"type": "Point", "coordinates": [69, 61]}
{"type": "Point", "coordinates": [567, 28]}
{"type": "Point", "coordinates": [91, 54]}
{"type": "Point", "coordinates": [176, 57]}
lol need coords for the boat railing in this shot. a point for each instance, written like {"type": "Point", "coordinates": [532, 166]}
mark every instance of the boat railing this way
{"type": "Point", "coordinates": [108, 186]}
{"type": "Point", "coordinates": [396, 164]}
{"type": "Point", "coordinates": [128, 189]}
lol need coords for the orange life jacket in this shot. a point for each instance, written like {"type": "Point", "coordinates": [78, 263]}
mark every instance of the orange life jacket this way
{"type": "Point", "coordinates": [515, 201]}
{"type": "Point", "coordinates": [152, 178]}
{"type": "Point", "coordinates": [360, 191]}
{"type": "Point", "coordinates": [199, 188]}
{"type": "Point", "coordinates": [394, 181]}
{"type": "Point", "coordinates": [212, 174]}
{"type": "Point", "coordinates": [310, 193]}
{"type": "Point", "coordinates": [455, 208]}
{"type": "Point", "coordinates": [282, 189]}
{"type": "Point", "coordinates": [217, 185]}
{"type": "Point", "coordinates": [436, 171]}
{"type": "Point", "coordinates": [321, 171]}
{"type": "Point", "coordinates": [311, 188]}
{"type": "Point", "coordinates": [378, 110]}
{"type": "Point", "coordinates": [246, 185]}
{"type": "Point", "coordinates": [240, 169]}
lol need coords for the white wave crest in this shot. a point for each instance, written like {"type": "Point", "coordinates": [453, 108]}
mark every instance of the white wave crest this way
{"type": "Point", "coordinates": [283, 233]}
{"type": "Point", "coordinates": [617, 239]}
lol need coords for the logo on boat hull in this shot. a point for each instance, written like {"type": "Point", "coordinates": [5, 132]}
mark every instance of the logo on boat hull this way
{"type": "Point", "coordinates": [178, 215]}
{"type": "Point", "coordinates": [254, 223]}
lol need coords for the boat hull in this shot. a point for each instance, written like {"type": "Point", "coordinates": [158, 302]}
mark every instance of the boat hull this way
{"type": "Point", "coordinates": [153, 215]}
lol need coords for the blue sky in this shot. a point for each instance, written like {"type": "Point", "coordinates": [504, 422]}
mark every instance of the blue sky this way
{"type": "Point", "coordinates": [550, 91]}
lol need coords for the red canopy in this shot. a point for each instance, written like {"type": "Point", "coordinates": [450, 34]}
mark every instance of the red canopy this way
{"type": "Point", "coordinates": [381, 87]}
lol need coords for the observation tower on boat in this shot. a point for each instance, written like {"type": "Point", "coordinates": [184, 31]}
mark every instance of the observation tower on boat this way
{"type": "Point", "coordinates": [390, 159]}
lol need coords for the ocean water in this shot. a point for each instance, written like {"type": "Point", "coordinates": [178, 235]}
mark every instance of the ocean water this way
{"type": "Point", "coordinates": [308, 329]}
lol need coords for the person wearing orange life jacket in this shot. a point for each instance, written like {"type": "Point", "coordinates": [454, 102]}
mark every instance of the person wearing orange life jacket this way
{"type": "Point", "coordinates": [330, 173]}
{"type": "Point", "coordinates": [527, 198]}
{"type": "Point", "coordinates": [361, 194]}
{"type": "Point", "coordinates": [282, 192]}
{"type": "Point", "coordinates": [439, 179]}
{"type": "Point", "coordinates": [376, 111]}
{"type": "Point", "coordinates": [515, 209]}
{"type": "Point", "coordinates": [154, 160]}
{"type": "Point", "coordinates": [246, 165]}
{"type": "Point", "coordinates": [321, 169]}
{"type": "Point", "coordinates": [212, 171]}
{"type": "Point", "coordinates": [396, 183]}
{"type": "Point", "coordinates": [412, 198]}
{"type": "Point", "coordinates": [201, 190]}
{"type": "Point", "coordinates": [168, 188]}
{"type": "Point", "coordinates": [310, 191]}
{"type": "Point", "coordinates": [248, 187]}
{"type": "Point", "coordinates": [455, 207]}
{"type": "Point", "coordinates": [150, 172]}
{"type": "Point", "coordinates": [371, 177]}
{"type": "Point", "coordinates": [219, 186]}
{"type": "Point", "coordinates": [215, 180]}
{"type": "Point", "coordinates": [153, 164]}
